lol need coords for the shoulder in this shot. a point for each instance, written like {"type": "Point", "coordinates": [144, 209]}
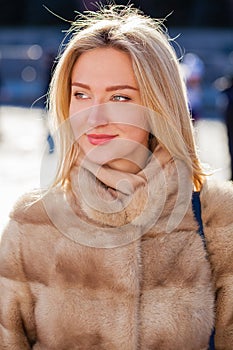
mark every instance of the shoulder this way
{"type": "Point", "coordinates": [217, 203]}
{"type": "Point", "coordinates": [29, 208]}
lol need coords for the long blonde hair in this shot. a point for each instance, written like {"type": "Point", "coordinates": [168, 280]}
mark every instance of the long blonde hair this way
{"type": "Point", "coordinates": [157, 71]}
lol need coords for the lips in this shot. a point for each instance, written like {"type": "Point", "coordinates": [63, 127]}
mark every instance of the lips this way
{"type": "Point", "coordinates": [99, 139]}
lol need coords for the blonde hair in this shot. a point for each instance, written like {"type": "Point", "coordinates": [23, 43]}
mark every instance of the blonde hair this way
{"type": "Point", "coordinates": [157, 71]}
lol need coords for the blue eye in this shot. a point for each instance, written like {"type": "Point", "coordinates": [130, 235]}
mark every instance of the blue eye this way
{"type": "Point", "coordinates": [81, 95]}
{"type": "Point", "coordinates": [120, 98]}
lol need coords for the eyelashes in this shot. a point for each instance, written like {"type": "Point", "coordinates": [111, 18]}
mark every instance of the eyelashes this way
{"type": "Point", "coordinates": [117, 98]}
{"type": "Point", "coordinates": [81, 96]}
{"type": "Point", "coordinates": [120, 98]}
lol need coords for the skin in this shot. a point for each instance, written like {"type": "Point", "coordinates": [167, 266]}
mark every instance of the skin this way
{"type": "Point", "coordinates": [105, 110]}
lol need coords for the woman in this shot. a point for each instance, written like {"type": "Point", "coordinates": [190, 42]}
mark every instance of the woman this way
{"type": "Point", "coordinates": [109, 257]}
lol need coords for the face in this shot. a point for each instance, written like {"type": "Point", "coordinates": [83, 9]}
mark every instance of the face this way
{"type": "Point", "coordinates": [105, 111]}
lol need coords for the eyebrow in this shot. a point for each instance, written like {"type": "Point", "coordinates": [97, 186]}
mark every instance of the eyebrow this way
{"type": "Point", "coordinates": [110, 88]}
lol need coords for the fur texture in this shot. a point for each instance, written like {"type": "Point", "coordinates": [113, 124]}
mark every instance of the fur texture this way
{"type": "Point", "coordinates": [153, 292]}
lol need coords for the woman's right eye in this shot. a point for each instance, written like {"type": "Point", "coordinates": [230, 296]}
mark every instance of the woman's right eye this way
{"type": "Point", "coordinates": [81, 95]}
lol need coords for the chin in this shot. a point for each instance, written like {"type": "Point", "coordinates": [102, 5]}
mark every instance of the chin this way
{"type": "Point", "coordinates": [99, 155]}
{"type": "Point", "coordinates": [100, 158]}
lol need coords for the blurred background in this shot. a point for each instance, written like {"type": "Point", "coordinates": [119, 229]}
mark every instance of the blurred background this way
{"type": "Point", "coordinates": [30, 37]}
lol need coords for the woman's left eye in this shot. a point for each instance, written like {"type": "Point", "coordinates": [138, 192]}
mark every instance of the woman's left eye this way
{"type": "Point", "coordinates": [120, 98]}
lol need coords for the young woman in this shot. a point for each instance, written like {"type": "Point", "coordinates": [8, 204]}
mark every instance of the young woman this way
{"type": "Point", "coordinates": [110, 256]}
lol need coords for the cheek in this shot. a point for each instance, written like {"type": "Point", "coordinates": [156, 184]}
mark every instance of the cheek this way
{"type": "Point", "coordinates": [136, 134]}
{"type": "Point", "coordinates": [81, 141]}
{"type": "Point", "coordinates": [72, 108]}
{"type": "Point", "coordinates": [71, 111]}
{"type": "Point", "coordinates": [78, 122]}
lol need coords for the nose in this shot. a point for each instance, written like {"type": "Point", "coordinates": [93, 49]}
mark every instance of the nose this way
{"type": "Point", "coordinates": [97, 115]}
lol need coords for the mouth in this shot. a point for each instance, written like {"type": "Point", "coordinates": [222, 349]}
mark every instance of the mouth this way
{"type": "Point", "coordinates": [99, 139]}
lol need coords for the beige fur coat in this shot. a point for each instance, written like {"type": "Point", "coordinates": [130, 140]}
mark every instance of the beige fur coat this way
{"type": "Point", "coordinates": [76, 278]}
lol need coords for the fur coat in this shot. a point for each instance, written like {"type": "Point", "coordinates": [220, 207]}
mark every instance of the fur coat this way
{"type": "Point", "coordinates": [77, 278]}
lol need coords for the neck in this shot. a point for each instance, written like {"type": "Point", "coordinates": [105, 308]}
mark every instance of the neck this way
{"type": "Point", "coordinates": [123, 174]}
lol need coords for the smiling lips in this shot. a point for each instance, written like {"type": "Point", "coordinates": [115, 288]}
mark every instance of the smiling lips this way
{"type": "Point", "coordinates": [99, 139]}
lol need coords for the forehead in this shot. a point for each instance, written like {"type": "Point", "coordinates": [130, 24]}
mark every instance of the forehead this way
{"type": "Point", "coordinates": [104, 63]}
